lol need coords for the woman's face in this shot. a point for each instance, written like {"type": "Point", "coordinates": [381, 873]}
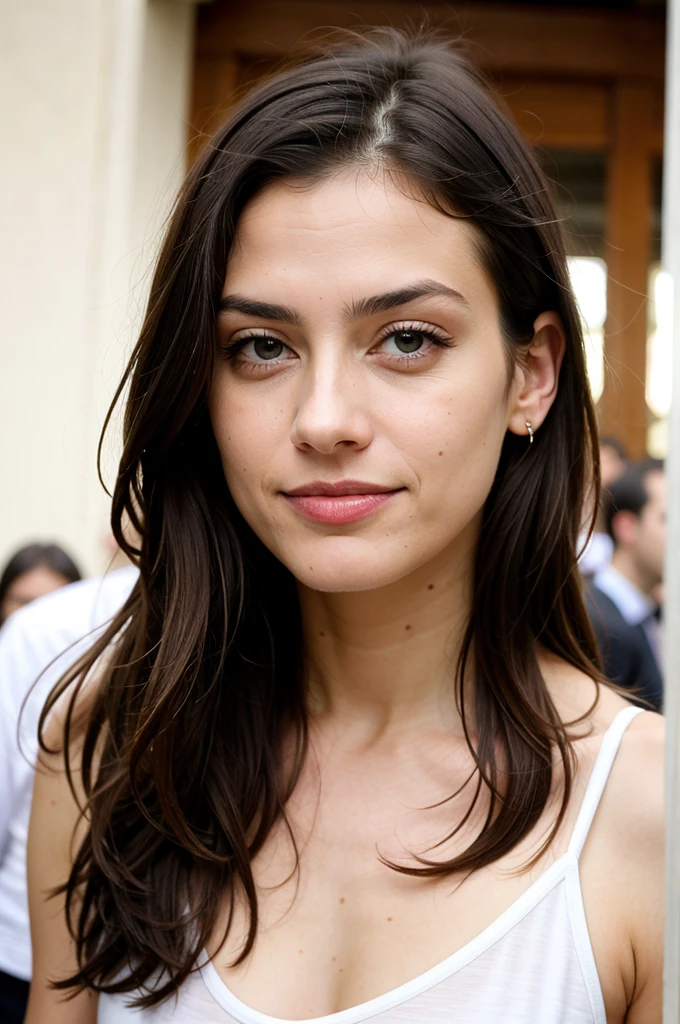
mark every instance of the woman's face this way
{"type": "Point", "coordinates": [28, 586]}
{"type": "Point", "coordinates": [361, 392]}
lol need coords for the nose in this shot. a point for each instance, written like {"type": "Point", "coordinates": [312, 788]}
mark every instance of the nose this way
{"type": "Point", "coordinates": [333, 411]}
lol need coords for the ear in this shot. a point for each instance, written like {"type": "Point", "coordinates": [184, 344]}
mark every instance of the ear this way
{"type": "Point", "coordinates": [536, 375]}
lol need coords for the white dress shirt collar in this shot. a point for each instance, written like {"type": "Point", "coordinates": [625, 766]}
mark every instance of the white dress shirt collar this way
{"type": "Point", "coordinates": [635, 606]}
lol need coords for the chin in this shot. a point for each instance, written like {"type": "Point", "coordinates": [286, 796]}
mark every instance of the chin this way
{"type": "Point", "coordinates": [341, 565]}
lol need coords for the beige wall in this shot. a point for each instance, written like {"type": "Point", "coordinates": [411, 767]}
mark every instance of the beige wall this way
{"type": "Point", "coordinates": [93, 102]}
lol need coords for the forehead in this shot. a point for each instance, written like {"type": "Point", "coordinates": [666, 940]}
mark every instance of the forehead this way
{"type": "Point", "coordinates": [358, 230]}
{"type": "Point", "coordinates": [36, 576]}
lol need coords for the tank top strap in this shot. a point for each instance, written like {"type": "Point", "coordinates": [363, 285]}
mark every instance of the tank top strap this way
{"type": "Point", "coordinates": [598, 779]}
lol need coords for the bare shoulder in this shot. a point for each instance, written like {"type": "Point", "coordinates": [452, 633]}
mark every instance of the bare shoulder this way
{"type": "Point", "coordinates": [622, 863]}
{"type": "Point", "coordinates": [632, 803]}
{"type": "Point", "coordinates": [74, 708]}
{"type": "Point", "coordinates": [635, 791]}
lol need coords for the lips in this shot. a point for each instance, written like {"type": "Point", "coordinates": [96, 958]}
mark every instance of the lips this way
{"type": "Point", "coordinates": [340, 489]}
{"type": "Point", "coordinates": [347, 501]}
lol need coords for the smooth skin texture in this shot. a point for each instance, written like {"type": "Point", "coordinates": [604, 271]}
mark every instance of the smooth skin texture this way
{"type": "Point", "coordinates": [331, 386]}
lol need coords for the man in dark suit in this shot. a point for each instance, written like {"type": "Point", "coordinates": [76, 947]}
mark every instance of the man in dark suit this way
{"type": "Point", "coordinates": [619, 598]}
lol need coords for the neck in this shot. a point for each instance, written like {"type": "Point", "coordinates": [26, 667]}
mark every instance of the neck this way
{"type": "Point", "coordinates": [384, 661]}
{"type": "Point", "coordinates": [624, 562]}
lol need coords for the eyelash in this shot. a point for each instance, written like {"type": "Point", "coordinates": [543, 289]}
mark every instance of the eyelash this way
{"type": "Point", "coordinates": [232, 350]}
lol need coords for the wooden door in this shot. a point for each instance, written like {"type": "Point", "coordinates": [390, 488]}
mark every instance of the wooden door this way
{"type": "Point", "coordinates": [575, 81]}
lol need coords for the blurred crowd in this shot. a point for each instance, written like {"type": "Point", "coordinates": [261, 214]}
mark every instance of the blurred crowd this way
{"type": "Point", "coordinates": [622, 567]}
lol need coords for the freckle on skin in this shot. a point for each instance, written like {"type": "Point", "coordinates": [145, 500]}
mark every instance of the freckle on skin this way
{"type": "Point", "coordinates": [333, 959]}
{"type": "Point", "coordinates": [389, 918]}
{"type": "Point", "coordinates": [430, 586]}
{"type": "Point", "coordinates": [321, 633]}
{"type": "Point", "coordinates": [341, 900]}
{"type": "Point", "coordinates": [341, 970]}
{"type": "Point", "coordinates": [407, 627]}
{"type": "Point", "coordinates": [441, 453]}
{"type": "Point", "coordinates": [299, 950]}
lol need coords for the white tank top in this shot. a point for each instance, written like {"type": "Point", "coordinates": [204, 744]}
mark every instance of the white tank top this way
{"type": "Point", "coordinates": [534, 964]}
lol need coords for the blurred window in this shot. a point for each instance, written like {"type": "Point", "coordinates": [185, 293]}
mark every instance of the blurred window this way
{"type": "Point", "coordinates": [589, 281]}
{"type": "Point", "coordinates": [579, 189]}
{"type": "Point", "coordinates": [658, 389]}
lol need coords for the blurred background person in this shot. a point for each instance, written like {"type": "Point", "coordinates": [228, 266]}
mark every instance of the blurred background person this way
{"type": "Point", "coordinates": [613, 461]}
{"type": "Point", "coordinates": [621, 596]}
{"type": "Point", "coordinates": [33, 571]}
{"type": "Point", "coordinates": [599, 547]}
{"type": "Point", "coordinates": [37, 645]}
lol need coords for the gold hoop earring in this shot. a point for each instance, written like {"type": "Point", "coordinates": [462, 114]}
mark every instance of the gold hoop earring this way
{"type": "Point", "coordinates": [527, 424]}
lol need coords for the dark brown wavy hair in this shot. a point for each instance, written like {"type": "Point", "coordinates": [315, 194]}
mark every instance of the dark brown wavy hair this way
{"type": "Point", "coordinates": [203, 674]}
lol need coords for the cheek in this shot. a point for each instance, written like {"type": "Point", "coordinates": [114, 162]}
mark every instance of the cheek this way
{"type": "Point", "coordinates": [248, 434]}
{"type": "Point", "coordinates": [455, 437]}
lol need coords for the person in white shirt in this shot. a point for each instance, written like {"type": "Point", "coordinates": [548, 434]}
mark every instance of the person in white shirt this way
{"type": "Point", "coordinates": [45, 637]}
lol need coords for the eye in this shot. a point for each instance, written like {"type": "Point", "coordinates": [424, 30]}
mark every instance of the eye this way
{"type": "Point", "coordinates": [254, 352]}
{"type": "Point", "coordinates": [264, 348]}
{"type": "Point", "coordinates": [406, 342]}
{"type": "Point", "coordinates": [410, 342]}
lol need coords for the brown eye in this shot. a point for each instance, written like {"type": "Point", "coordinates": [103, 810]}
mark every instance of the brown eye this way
{"type": "Point", "coordinates": [267, 348]}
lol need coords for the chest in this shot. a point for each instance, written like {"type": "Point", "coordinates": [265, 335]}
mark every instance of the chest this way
{"type": "Point", "coordinates": [337, 924]}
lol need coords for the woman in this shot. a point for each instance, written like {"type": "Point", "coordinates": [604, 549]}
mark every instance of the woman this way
{"type": "Point", "coordinates": [32, 571]}
{"type": "Point", "coordinates": [348, 739]}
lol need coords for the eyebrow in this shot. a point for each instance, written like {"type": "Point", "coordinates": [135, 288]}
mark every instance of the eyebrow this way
{"type": "Point", "coordinates": [358, 309]}
{"type": "Point", "coordinates": [260, 310]}
{"type": "Point", "coordinates": [418, 290]}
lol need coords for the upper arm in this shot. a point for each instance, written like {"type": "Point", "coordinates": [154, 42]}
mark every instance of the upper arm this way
{"type": "Point", "coordinates": [643, 828]}
{"type": "Point", "coordinates": [13, 686]}
{"type": "Point", "coordinates": [54, 818]}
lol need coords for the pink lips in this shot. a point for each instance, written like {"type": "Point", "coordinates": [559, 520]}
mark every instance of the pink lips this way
{"type": "Point", "coordinates": [345, 502]}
